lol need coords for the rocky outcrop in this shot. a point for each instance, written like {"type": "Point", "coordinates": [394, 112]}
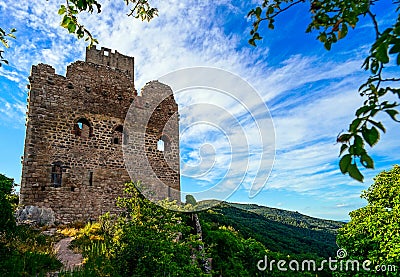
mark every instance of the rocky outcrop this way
{"type": "Point", "coordinates": [34, 215]}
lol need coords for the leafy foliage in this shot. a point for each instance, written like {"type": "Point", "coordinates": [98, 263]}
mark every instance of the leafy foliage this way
{"type": "Point", "coordinates": [7, 221]}
{"type": "Point", "coordinates": [140, 9]}
{"type": "Point", "coordinates": [145, 240]}
{"type": "Point", "coordinates": [26, 252]}
{"type": "Point", "coordinates": [275, 235]}
{"type": "Point", "coordinates": [236, 254]}
{"type": "Point", "coordinates": [148, 240]}
{"type": "Point", "coordinates": [332, 19]}
{"type": "Point", "coordinates": [373, 232]}
{"type": "Point", "coordinates": [23, 251]}
{"type": "Point", "coordinates": [191, 200]}
{"type": "Point", "coordinates": [69, 11]}
{"type": "Point", "coordinates": [292, 218]}
{"type": "Point", "coordinates": [4, 41]}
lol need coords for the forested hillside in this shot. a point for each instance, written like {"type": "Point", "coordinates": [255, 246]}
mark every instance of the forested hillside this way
{"type": "Point", "coordinates": [279, 230]}
{"type": "Point", "coordinates": [292, 218]}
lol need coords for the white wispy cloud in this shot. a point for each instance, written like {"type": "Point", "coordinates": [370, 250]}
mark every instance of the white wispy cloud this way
{"type": "Point", "coordinates": [12, 112]}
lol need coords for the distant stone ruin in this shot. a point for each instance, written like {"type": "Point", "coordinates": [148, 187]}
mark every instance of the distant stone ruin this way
{"type": "Point", "coordinates": [73, 160]}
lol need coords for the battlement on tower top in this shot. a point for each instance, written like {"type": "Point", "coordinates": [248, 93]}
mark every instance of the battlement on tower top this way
{"type": "Point", "coordinates": [113, 59]}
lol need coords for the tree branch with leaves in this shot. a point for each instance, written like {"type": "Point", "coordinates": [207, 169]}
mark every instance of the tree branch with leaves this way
{"type": "Point", "coordinates": [4, 36]}
{"type": "Point", "coordinates": [70, 11]}
{"type": "Point", "coordinates": [140, 9]}
{"type": "Point", "coordinates": [332, 19]}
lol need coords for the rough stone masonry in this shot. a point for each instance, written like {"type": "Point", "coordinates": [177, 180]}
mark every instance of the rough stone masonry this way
{"type": "Point", "coordinates": [73, 160]}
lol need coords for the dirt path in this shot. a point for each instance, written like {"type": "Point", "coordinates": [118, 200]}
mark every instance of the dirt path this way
{"type": "Point", "coordinates": [69, 258]}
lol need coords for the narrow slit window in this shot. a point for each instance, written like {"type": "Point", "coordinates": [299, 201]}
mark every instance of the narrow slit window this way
{"type": "Point", "coordinates": [90, 178]}
{"type": "Point", "coordinates": [56, 174]}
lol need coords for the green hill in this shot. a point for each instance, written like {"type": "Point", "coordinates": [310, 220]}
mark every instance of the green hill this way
{"type": "Point", "coordinates": [279, 230]}
{"type": "Point", "coordinates": [292, 218]}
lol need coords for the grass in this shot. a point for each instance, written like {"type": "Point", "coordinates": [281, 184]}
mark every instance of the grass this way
{"type": "Point", "coordinates": [27, 252]}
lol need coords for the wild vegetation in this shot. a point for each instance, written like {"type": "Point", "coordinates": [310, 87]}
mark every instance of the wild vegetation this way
{"type": "Point", "coordinates": [374, 231]}
{"type": "Point", "coordinates": [148, 240]}
{"type": "Point", "coordinates": [23, 251]}
{"type": "Point", "coordinates": [277, 236]}
{"type": "Point", "coordinates": [292, 218]}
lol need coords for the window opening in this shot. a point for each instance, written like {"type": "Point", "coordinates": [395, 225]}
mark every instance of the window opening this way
{"type": "Point", "coordinates": [117, 135]}
{"type": "Point", "coordinates": [163, 143]}
{"type": "Point", "coordinates": [160, 145]}
{"type": "Point", "coordinates": [90, 178]}
{"type": "Point", "coordinates": [56, 174]}
{"type": "Point", "coordinates": [83, 129]}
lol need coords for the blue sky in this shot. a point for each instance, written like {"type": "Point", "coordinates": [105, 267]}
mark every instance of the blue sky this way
{"type": "Point", "coordinates": [310, 93]}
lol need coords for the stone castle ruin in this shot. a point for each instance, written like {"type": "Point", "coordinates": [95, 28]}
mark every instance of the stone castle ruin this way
{"type": "Point", "coordinates": [74, 163]}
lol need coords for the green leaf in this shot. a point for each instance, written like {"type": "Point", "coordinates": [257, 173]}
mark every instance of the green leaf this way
{"type": "Point", "coordinates": [354, 125]}
{"type": "Point", "coordinates": [378, 124]}
{"type": "Point", "coordinates": [343, 148]}
{"type": "Point", "coordinates": [343, 32]}
{"type": "Point", "coordinates": [355, 173]}
{"type": "Point", "coordinates": [395, 49]}
{"type": "Point", "coordinates": [358, 143]}
{"type": "Point", "coordinates": [363, 110]}
{"type": "Point", "coordinates": [257, 12]}
{"type": "Point", "coordinates": [62, 10]}
{"type": "Point", "coordinates": [328, 45]}
{"type": "Point", "coordinates": [322, 37]}
{"type": "Point", "coordinates": [371, 136]}
{"type": "Point", "coordinates": [392, 114]}
{"type": "Point", "coordinates": [374, 112]}
{"type": "Point", "coordinates": [251, 42]}
{"type": "Point", "coordinates": [257, 36]}
{"type": "Point", "coordinates": [65, 21]}
{"type": "Point", "coordinates": [344, 163]}
{"type": "Point", "coordinates": [71, 27]}
{"type": "Point", "coordinates": [270, 10]}
{"type": "Point", "coordinates": [271, 26]}
{"type": "Point", "coordinates": [367, 161]}
{"type": "Point", "coordinates": [381, 53]}
{"type": "Point", "coordinates": [343, 138]}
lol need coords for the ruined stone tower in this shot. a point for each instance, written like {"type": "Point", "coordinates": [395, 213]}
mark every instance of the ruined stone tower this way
{"type": "Point", "coordinates": [73, 160]}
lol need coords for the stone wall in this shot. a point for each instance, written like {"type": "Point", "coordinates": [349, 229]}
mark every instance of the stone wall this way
{"type": "Point", "coordinates": [111, 58]}
{"type": "Point", "coordinates": [73, 160]}
{"type": "Point", "coordinates": [152, 118]}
